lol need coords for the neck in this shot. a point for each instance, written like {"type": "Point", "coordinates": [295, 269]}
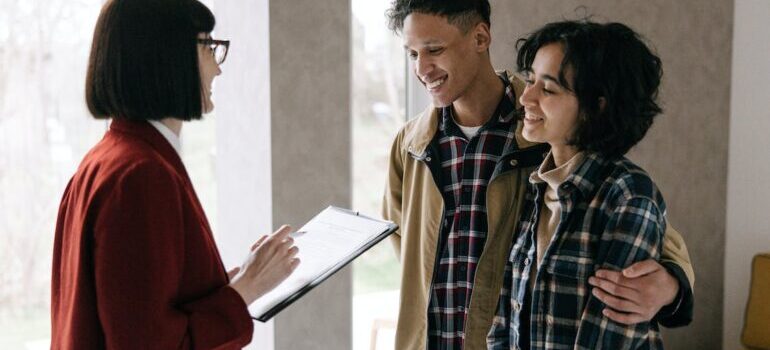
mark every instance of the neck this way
{"type": "Point", "coordinates": [478, 103]}
{"type": "Point", "coordinates": [562, 154]}
{"type": "Point", "coordinates": [174, 124]}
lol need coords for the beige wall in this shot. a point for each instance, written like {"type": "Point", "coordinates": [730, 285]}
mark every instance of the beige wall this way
{"type": "Point", "coordinates": [748, 198]}
{"type": "Point", "coordinates": [686, 151]}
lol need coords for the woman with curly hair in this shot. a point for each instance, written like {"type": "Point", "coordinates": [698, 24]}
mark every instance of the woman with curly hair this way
{"type": "Point", "coordinates": [591, 94]}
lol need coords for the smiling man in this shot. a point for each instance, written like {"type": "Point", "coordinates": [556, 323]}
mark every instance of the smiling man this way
{"type": "Point", "coordinates": [457, 177]}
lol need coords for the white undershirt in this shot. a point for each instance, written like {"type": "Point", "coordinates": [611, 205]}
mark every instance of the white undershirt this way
{"type": "Point", "coordinates": [469, 131]}
{"type": "Point", "coordinates": [170, 136]}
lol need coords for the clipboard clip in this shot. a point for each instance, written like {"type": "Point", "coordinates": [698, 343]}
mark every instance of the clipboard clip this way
{"type": "Point", "coordinates": [351, 212]}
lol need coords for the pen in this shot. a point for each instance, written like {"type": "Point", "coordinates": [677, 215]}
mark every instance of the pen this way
{"type": "Point", "coordinates": [297, 234]}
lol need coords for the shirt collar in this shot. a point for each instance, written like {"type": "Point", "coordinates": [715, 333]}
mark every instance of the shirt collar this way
{"type": "Point", "coordinates": [169, 135]}
{"type": "Point", "coordinates": [587, 177]}
{"type": "Point", "coordinates": [555, 176]}
{"type": "Point", "coordinates": [144, 131]}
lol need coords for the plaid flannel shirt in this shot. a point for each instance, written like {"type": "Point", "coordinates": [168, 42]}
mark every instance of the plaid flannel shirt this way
{"type": "Point", "coordinates": [612, 216]}
{"type": "Point", "coordinates": [466, 170]}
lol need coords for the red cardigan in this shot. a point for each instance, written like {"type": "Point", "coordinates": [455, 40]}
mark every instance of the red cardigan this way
{"type": "Point", "coordinates": [135, 265]}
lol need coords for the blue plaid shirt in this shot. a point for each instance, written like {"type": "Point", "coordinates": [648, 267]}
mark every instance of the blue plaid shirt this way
{"type": "Point", "coordinates": [612, 216]}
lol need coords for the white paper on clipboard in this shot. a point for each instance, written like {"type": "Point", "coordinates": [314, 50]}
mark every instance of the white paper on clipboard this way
{"type": "Point", "coordinates": [329, 241]}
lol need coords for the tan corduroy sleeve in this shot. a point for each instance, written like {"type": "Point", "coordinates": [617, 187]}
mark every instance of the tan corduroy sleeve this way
{"type": "Point", "coordinates": [392, 199]}
{"type": "Point", "coordinates": [675, 251]}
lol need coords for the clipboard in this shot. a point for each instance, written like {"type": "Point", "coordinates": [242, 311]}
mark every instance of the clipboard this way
{"type": "Point", "coordinates": [294, 287]}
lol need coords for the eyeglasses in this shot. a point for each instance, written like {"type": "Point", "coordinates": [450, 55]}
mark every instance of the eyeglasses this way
{"type": "Point", "coordinates": [218, 48]}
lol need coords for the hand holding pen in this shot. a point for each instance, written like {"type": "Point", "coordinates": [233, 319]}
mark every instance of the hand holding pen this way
{"type": "Point", "coordinates": [271, 260]}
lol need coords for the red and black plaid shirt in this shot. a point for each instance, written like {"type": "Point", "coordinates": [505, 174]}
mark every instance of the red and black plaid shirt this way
{"type": "Point", "coordinates": [466, 167]}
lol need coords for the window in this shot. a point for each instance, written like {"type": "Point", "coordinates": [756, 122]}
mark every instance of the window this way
{"type": "Point", "coordinates": [45, 129]}
{"type": "Point", "coordinates": [379, 110]}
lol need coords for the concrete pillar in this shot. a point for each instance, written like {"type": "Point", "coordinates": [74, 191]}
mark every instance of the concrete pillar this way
{"type": "Point", "coordinates": [310, 51]}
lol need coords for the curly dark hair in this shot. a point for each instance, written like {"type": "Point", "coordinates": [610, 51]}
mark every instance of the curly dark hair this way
{"type": "Point", "coordinates": [616, 81]}
{"type": "Point", "coordinates": [463, 14]}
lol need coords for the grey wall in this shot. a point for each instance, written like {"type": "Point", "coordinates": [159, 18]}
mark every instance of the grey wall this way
{"type": "Point", "coordinates": [310, 55]}
{"type": "Point", "coordinates": [748, 198]}
{"type": "Point", "coordinates": [686, 151]}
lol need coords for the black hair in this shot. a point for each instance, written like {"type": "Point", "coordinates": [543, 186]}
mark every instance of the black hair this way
{"type": "Point", "coordinates": [612, 63]}
{"type": "Point", "coordinates": [463, 14]}
{"type": "Point", "coordinates": [144, 60]}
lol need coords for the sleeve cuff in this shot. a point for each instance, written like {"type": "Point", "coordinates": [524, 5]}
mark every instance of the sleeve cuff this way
{"type": "Point", "coordinates": [220, 319]}
{"type": "Point", "coordinates": [679, 313]}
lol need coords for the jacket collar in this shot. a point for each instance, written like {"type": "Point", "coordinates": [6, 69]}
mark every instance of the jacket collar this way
{"type": "Point", "coordinates": [426, 124]}
{"type": "Point", "coordinates": [146, 132]}
{"type": "Point", "coordinates": [418, 138]}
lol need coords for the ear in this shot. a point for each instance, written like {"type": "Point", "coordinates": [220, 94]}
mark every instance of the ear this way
{"type": "Point", "coordinates": [482, 37]}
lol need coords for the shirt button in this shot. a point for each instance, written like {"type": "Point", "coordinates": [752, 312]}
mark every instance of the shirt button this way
{"type": "Point", "coordinates": [516, 306]}
{"type": "Point", "coordinates": [462, 268]}
{"type": "Point", "coordinates": [460, 309]}
{"type": "Point", "coordinates": [549, 320]}
{"type": "Point", "coordinates": [514, 162]}
{"type": "Point", "coordinates": [526, 262]}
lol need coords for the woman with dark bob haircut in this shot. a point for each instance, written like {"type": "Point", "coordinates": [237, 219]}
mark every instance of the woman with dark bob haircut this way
{"type": "Point", "coordinates": [135, 265]}
{"type": "Point", "coordinates": [590, 93]}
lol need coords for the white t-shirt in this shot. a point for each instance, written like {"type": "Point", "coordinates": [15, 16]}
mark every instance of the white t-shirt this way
{"type": "Point", "coordinates": [469, 131]}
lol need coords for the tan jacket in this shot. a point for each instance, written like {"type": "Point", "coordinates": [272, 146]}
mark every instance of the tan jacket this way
{"type": "Point", "coordinates": [414, 202]}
